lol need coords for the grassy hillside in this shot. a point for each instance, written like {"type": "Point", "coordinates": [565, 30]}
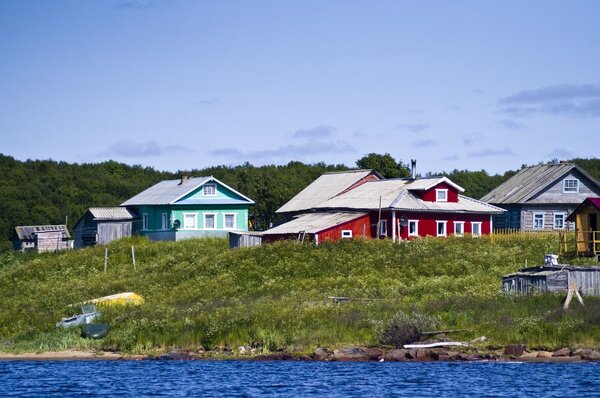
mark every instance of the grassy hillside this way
{"type": "Point", "coordinates": [275, 297]}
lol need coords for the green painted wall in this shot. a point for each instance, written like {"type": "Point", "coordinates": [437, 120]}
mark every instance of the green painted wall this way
{"type": "Point", "coordinates": [177, 213]}
{"type": "Point", "coordinates": [222, 193]}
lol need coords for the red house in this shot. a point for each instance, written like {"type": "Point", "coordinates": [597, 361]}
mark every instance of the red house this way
{"type": "Point", "coordinates": [395, 209]}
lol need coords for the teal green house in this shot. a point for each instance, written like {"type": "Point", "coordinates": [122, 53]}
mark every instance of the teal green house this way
{"type": "Point", "coordinates": [189, 208]}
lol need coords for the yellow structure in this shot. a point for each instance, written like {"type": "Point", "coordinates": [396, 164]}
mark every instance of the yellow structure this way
{"type": "Point", "coordinates": [587, 226]}
{"type": "Point", "coordinates": [118, 299]}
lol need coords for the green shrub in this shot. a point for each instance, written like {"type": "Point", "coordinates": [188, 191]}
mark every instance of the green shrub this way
{"type": "Point", "coordinates": [406, 328]}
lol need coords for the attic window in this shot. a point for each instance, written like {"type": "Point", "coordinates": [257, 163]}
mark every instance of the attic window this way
{"type": "Point", "coordinates": [571, 185]}
{"type": "Point", "coordinates": [209, 189]}
{"type": "Point", "coordinates": [441, 195]}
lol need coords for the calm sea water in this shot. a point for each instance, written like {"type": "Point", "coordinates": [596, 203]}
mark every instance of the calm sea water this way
{"type": "Point", "coordinates": [295, 379]}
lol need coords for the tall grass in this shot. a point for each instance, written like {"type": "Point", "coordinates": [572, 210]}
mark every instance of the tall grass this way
{"type": "Point", "coordinates": [276, 297]}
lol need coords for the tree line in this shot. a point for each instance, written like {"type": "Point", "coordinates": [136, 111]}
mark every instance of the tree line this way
{"type": "Point", "coordinates": [38, 192]}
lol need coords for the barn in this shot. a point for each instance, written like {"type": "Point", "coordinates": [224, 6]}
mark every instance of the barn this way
{"type": "Point", "coordinates": [101, 225]}
{"type": "Point", "coordinates": [42, 238]}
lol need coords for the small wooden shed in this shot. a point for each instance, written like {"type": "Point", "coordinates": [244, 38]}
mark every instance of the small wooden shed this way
{"type": "Point", "coordinates": [244, 239]}
{"type": "Point", "coordinates": [42, 238]}
{"type": "Point", "coordinates": [553, 278]}
{"type": "Point", "coordinates": [587, 226]}
{"type": "Point", "coordinates": [101, 225]}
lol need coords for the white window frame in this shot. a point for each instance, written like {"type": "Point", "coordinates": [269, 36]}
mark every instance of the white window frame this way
{"type": "Point", "coordinates": [437, 195]}
{"type": "Point", "coordinates": [571, 189]}
{"type": "Point", "coordinates": [225, 220]}
{"type": "Point", "coordinates": [213, 185]}
{"type": "Point", "coordinates": [194, 216]}
{"type": "Point", "coordinates": [564, 221]}
{"type": "Point", "coordinates": [462, 228]}
{"type": "Point", "coordinates": [538, 213]}
{"type": "Point", "coordinates": [479, 225]}
{"type": "Point", "coordinates": [383, 228]}
{"type": "Point", "coordinates": [164, 218]}
{"type": "Point", "coordinates": [416, 222]}
{"type": "Point", "coordinates": [346, 233]}
{"type": "Point", "coordinates": [204, 220]}
{"type": "Point", "coordinates": [144, 221]}
{"type": "Point", "coordinates": [437, 228]}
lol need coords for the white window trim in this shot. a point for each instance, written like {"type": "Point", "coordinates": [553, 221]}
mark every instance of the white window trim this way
{"type": "Point", "coordinates": [225, 220]}
{"type": "Point", "coordinates": [383, 228]}
{"type": "Point", "coordinates": [538, 213]}
{"type": "Point", "coordinates": [164, 221]}
{"type": "Point", "coordinates": [437, 224]}
{"type": "Point", "coordinates": [479, 224]}
{"type": "Point", "coordinates": [462, 230]}
{"type": "Point", "coordinates": [204, 220]}
{"type": "Point", "coordinates": [416, 233]}
{"type": "Point", "coordinates": [437, 195]}
{"type": "Point", "coordinates": [346, 233]}
{"type": "Point", "coordinates": [195, 226]}
{"type": "Point", "coordinates": [211, 184]}
{"type": "Point", "coordinates": [144, 221]}
{"type": "Point", "coordinates": [564, 218]}
{"type": "Point", "coordinates": [576, 185]}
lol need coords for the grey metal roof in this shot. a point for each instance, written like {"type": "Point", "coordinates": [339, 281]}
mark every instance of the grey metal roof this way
{"type": "Point", "coordinates": [170, 191]}
{"type": "Point", "coordinates": [530, 181]}
{"type": "Point", "coordinates": [111, 213]}
{"type": "Point", "coordinates": [27, 232]}
{"type": "Point", "coordinates": [313, 222]}
{"type": "Point", "coordinates": [397, 194]}
{"type": "Point", "coordinates": [325, 187]}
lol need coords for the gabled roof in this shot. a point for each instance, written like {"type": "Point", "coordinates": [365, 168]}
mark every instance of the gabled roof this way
{"type": "Point", "coordinates": [28, 232]}
{"type": "Point", "coordinates": [169, 192]}
{"type": "Point", "coordinates": [313, 222]}
{"type": "Point", "coordinates": [111, 213]}
{"type": "Point", "coordinates": [530, 181]}
{"type": "Point", "coordinates": [593, 202]}
{"type": "Point", "coordinates": [398, 194]}
{"type": "Point", "coordinates": [325, 187]}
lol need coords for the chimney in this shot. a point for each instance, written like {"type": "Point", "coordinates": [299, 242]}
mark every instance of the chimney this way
{"type": "Point", "coordinates": [413, 168]}
{"type": "Point", "coordinates": [184, 179]}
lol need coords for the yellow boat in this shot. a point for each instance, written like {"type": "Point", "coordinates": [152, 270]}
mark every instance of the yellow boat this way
{"type": "Point", "coordinates": [118, 299]}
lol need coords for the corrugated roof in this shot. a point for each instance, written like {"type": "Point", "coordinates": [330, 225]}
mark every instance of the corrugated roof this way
{"type": "Point", "coordinates": [397, 194]}
{"type": "Point", "coordinates": [111, 213]}
{"type": "Point", "coordinates": [27, 232]}
{"type": "Point", "coordinates": [531, 180]}
{"type": "Point", "coordinates": [313, 222]}
{"type": "Point", "coordinates": [170, 191]}
{"type": "Point", "coordinates": [325, 187]}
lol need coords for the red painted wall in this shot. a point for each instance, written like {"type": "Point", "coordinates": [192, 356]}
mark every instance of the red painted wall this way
{"type": "Point", "coordinates": [356, 226]}
{"type": "Point", "coordinates": [429, 195]}
{"type": "Point", "coordinates": [428, 225]}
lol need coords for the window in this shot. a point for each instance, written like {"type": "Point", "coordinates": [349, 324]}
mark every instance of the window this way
{"type": "Point", "coordinates": [441, 195]}
{"type": "Point", "coordinates": [229, 221]}
{"type": "Point", "coordinates": [209, 221]}
{"type": "Point", "coordinates": [476, 229]}
{"type": "Point", "coordinates": [164, 221]}
{"type": "Point", "coordinates": [441, 228]}
{"type": "Point", "coordinates": [383, 228]}
{"type": "Point", "coordinates": [209, 189]}
{"type": "Point", "coordinates": [145, 221]}
{"type": "Point", "coordinates": [559, 220]}
{"type": "Point", "coordinates": [346, 233]}
{"type": "Point", "coordinates": [413, 227]}
{"type": "Point", "coordinates": [459, 228]}
{"type": "Point", "coordinates": [538, 220]}
{"type": "Point", "coordinates": [571, 185]}
{"type": "Point", "coordinates": [189, 221]}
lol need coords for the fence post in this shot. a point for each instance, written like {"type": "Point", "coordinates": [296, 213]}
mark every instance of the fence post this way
{"type": "Point", "coordinates": [105, 258]}
{"type": "Point", "coordinates": [133, 256]}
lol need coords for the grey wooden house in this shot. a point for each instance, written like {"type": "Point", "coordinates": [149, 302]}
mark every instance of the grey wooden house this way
{"type": "Point", "coordinates": [101, 225]}
{"type": "Point", "coordinates": [42, 238]}
{"type": "Point", "coordinates": [539, 198]}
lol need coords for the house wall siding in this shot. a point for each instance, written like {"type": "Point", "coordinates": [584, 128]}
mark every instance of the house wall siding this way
{"type": "Point", "coordinates": [554, 193]}
{"type": "Point", "coordinates": [360, 227]}
{"type": "Point", "coordinates": [430, 194]}
{"type": "Point", "coordinates": [527, 214]}
{"type": "Point", "coordinates": [177, 213]}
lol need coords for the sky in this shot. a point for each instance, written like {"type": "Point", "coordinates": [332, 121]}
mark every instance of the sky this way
{"type": "Point", "coordinates": [180, 85]}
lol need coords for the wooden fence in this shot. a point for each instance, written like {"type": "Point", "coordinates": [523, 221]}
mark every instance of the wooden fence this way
{"type": "Point", "coordinates": [586, 243]}
{"type": "Point", "coordinates": [506, 234]}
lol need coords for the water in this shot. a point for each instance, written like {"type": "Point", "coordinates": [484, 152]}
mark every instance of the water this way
{"type": "Point", "coordinates": [295, 379]}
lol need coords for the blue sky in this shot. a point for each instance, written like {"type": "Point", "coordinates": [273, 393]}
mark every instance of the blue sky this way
{"type": "Point", "coordinates": [188, 84]}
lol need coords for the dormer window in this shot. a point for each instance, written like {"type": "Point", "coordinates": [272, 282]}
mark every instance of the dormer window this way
{"type": "Point", "coordinates": [209, 189]}
{"type": "Point", "coordinates": [571, 185]}
{"type": "Point", "coordinates": [441, 195]}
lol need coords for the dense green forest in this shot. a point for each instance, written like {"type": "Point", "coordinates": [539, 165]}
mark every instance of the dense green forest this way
{"type": "Point", "coordinates": [37, 192]}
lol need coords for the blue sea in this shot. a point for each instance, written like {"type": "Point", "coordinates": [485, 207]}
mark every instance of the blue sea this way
{"type": "Point", "coordinates": [295, 379]}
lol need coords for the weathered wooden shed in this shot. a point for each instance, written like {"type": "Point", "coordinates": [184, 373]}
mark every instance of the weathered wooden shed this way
{"type": "Point", "coordinates": [101, 225]}
{"type": "Point", "coordinates": [244, 239]}
{"type": "Point", "coordinates": [553, 278]}
{"type": "Point", "coordinates": [42, 238]}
